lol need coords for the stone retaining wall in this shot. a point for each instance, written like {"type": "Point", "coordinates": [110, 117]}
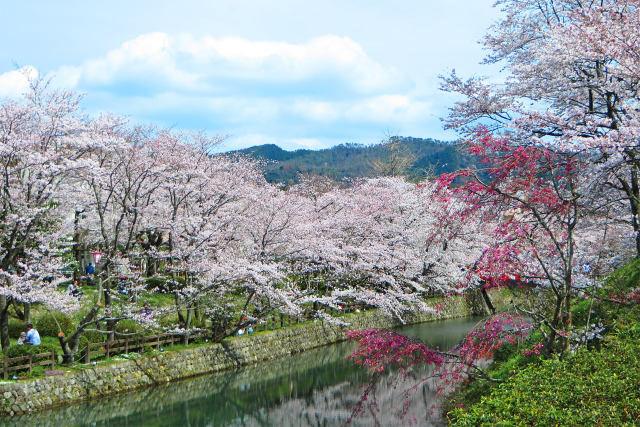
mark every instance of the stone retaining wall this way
{"type": "Point", "coordinates": [99, 381]}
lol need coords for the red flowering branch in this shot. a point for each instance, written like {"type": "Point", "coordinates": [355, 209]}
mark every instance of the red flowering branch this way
{"type": "Point", "coordinates": [381, 350]}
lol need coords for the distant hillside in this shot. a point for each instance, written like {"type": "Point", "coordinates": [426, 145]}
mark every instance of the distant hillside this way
{"type": "Point", "coordinates": [429, 157]}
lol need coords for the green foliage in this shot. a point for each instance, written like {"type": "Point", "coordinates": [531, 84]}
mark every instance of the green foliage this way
{"type": "Point", "coordinates": [16, 326]}
{"type": "Point", "coordinates": [624, 278]}
{"type": "Point", "coordinates": [585, 309]}
{"type": "Point", "coordinates": [355, 160]}
{"type": "Point", "coordinates": [23, 350]}
{"type": "Point", "coordinates": [588, 388]}
{"type": "Point", "coordinates": [595, 386]}
{"type": "Point", "coordinates": [88, 337]}
{"type": "Point", "coordinates": [127, 326]}
{"type": "Point", "coordinates": [92, 336]}
{"type": "Point", "coordinates": [47, 326]}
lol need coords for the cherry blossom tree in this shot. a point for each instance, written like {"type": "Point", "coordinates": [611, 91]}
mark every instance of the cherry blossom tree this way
{"type": "Point", "coordinates": [388, 243]}
{"type": "Point", "coordinates": [42, 142]}
{"type": "Point", "coordinates": [572, 83]}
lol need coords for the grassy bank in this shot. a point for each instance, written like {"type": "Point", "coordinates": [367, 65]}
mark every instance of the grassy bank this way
{"type": "Point", "coordinates": [596, 385]}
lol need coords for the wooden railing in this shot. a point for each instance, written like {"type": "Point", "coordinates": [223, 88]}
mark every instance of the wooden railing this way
{"type": "Point", "coordinates": [31, 359]}
{"type": "Point", "coordinates": [278, 321]}
{"type": "Point", "coordinates": [135, 344]}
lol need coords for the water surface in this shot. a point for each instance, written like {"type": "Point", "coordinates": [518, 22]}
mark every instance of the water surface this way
{"type": "Point", "coordinates": [316, 388]}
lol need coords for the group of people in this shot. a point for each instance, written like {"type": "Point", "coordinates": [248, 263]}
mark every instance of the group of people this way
{"type": "Point", "coordinates": [74, 289]}
{"type": "Point", "coordinates": [30, 337]}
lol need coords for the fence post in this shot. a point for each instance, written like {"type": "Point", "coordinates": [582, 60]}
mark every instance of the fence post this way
{"type": "Point", "coordinates": [5, 373]}
{"type": "Point", "coordinates": [53, 359]}
{"type": "Point", "coordinates": [87, 356]}
{"type": "Point", "coordinates": [30, 359]}
{"type": "Point", "coordinates": [126, 345]}
{"type": "Point", "coordinates": [108, 348]}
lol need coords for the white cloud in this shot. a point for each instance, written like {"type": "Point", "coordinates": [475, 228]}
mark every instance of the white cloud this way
{"type": "Point", "coordinates": [236, 142]}
{"type": "Point", "coordinates": [15, 83]}
{"type": "Point", "coordinates": [389, 108]}
{"type": "Point", "coordinates": [309, 143]}
{"type": "Point", "coordinates": [314, 94]}
{"type": "Point", "coordinates": [317, 110]}
{"type": "Point", "coordinates": [210, 64]}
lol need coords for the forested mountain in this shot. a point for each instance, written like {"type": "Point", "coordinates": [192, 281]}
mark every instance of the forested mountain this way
{"type": "Point", "coordinates": [419, 158]}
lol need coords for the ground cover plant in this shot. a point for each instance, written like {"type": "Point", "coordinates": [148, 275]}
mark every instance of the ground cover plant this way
{"type": "Point", "coordinates": [597, 384]}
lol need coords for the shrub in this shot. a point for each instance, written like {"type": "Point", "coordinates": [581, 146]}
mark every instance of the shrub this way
{"type": "Point", "coordinates": [588, 388]}
{"type": "Point", "coordinates": [16, 326]}
{"type": "Point", "coordinates": [128, 326]}
{"type": "Point", "coordinates": [23, 350]}
{"type": "Point", "coordinates": [93, 336]}
{"type": "Point", "coordinates": [505, 352]}
{"type": "Point", "coordinates": [88, 337]}
{"type": "Point", "coordinates": [46, 324]}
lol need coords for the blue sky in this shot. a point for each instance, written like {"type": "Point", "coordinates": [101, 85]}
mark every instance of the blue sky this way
{"type": "Point", "coordinates": [297, 74]}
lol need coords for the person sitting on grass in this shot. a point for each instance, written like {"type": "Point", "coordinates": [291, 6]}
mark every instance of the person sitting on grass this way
{"type": "Point", "coordinates": [33, 337]}
{"type": "Point", "coordinates": [74, 290]}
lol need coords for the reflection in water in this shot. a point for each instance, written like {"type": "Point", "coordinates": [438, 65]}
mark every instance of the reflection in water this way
{"type": "Point", "coordinates": [315, 388]}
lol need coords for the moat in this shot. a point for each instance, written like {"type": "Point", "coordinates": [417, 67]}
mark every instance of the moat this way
{"type": "Point", "coordinates": [315, 388]}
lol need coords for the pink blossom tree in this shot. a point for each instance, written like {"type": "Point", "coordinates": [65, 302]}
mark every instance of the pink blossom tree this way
{"type": "Point", "coordinates": [572, 84]}
{"type": "Point", "coordinates": [42, 142]}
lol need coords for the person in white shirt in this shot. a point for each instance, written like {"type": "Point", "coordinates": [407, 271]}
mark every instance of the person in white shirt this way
{"type": "Point", "coordinates": [33, 337]}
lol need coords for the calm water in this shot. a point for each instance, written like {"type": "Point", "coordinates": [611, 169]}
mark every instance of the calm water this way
{"type": "Point", "coordinates": [316, 388]}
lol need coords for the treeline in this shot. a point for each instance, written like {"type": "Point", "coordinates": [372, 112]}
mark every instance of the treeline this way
{"type": "Point", "coordinates": [426, 157]}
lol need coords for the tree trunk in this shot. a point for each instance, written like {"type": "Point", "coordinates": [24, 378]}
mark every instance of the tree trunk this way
{"type": "Point", "coordinates": [635, 206]}
{"type": "Point", "coordinates": [69, 349]}
{"type": "Point", "coordinates": [189, 316]}
{"type": "Point", "coordinates": [4, 322]}
{"type": "Point", "coordinates": [550, 347]}
{"type": "Point", "coordinates": [487, 300]}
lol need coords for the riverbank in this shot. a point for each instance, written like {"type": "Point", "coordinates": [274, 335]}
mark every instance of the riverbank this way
{"type": "Point", "coordinates": [91, 382]}
{"type": "Point", "coordinates": [596, 384]}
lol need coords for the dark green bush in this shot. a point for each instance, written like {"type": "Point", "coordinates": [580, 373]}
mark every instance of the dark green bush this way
{"type": "Point", "coordinates": [47, 327]}
{"type": "Point", "coordinates": [93, 336]}
{"type": "Point", "coordinates": [588, 388]}
{"type": "Point", "coordinates": [16, 326]}
{"type": "Point", "coordinates": [504, 352]}
{"type": "Point", "coordinates": [88, 337]}
{"type": "Point", "coordinates": [23, 350]}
